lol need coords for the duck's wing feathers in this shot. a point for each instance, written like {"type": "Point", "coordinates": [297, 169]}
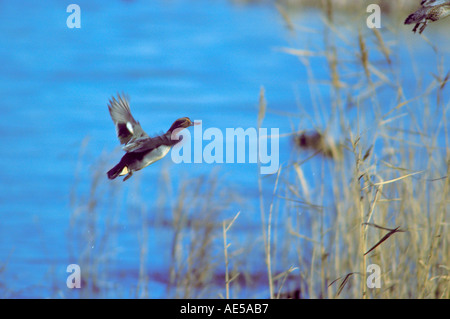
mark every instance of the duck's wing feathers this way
{"type": "Point", "coordinates": [127, 128]}
{"type": "Point", "coordinates": [432, 3]}
{"type": "Point", "coordinates": [150, 143]}
{"type": "Point", "coordinates": [418, 16]}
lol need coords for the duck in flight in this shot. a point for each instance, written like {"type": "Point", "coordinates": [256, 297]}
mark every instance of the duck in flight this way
{"type": "Point", "coordinates": [141, 149]}
{"type": "Point", "coordinates": [430, 10]}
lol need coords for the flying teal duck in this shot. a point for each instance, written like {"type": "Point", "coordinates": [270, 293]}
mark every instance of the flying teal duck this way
{"type": "Point", "coordinates": [141, 149]}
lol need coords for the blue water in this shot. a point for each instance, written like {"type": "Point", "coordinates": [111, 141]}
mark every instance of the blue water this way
{"type": "Point", "coordinates": [204, 59]}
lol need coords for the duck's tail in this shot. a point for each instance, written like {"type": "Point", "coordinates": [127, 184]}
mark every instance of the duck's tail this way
{"type": "Point", "coordinates": [117, 170]}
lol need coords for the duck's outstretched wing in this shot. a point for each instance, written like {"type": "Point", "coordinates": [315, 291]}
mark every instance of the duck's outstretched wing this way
{"type": "Point", "coordinates": [148, 143]}
{"type": "Point", "coordinates": [127, 128]}
{"type": "Point", "coordinates": [432, 3]}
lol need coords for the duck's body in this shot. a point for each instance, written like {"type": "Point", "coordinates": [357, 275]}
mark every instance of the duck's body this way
{"type": "Point", "coordinates": [141, 150]}
{"type": "Point", "coordinates": [135, 161]}
{"type": "Point", "coordinates": [431, 10]}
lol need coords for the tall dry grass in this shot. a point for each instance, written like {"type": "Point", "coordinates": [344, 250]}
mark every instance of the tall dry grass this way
{"type": "Point", "coordinates": [391, 190]}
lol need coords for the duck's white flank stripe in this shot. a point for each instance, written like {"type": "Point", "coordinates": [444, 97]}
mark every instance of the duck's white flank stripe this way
{"type": "Point", "coordinates": [124, 171]}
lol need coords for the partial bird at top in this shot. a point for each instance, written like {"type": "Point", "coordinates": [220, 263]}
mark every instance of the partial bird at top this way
{"type": "Point", "coordinates": [431, 10]}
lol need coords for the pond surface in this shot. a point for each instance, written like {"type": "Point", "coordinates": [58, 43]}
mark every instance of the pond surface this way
{"type": "Point", "coordinates": [204, 59]}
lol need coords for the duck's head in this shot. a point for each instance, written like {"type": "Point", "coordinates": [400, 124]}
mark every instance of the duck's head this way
{"type": "Point", "coordinates": [182, 123]}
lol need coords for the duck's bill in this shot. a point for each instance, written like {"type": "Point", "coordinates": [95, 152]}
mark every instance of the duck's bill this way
{"type": "Point", "coordinates": [197, 123]}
